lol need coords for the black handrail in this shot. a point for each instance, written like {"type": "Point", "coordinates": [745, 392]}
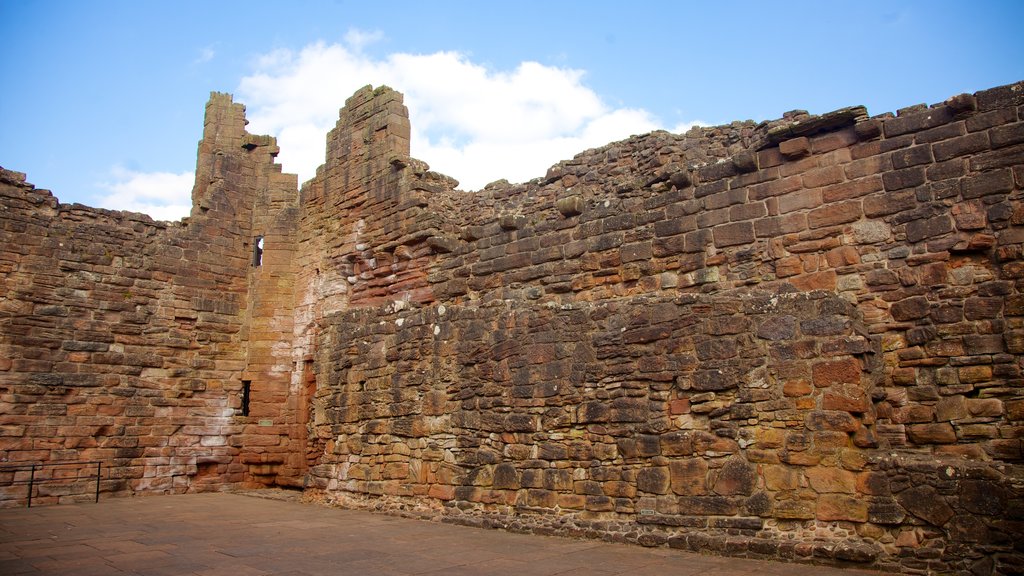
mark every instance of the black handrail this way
{"type": "Point", "coordinates": [13, 469]}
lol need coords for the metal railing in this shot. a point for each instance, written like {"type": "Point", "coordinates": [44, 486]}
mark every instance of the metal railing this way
{"type": "Point", "coordinates": [17, 473]}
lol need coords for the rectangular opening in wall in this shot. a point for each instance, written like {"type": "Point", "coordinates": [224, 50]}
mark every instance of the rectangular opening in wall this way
{"type": "Point", "coordinates": [257, 251]}
{"type": "Point", "coordinates": [246, 390]}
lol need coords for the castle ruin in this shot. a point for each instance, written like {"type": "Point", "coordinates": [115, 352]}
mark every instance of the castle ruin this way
{"type": "Point", "coordinates": [799, 339]}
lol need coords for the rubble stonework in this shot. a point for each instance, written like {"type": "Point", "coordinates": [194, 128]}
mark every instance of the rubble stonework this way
{"type": "Point", "coordinates": [799, 339]}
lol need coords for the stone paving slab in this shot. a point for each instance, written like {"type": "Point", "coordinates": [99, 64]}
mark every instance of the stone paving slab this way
{"type": "Point", "coordinates": [233, 534]}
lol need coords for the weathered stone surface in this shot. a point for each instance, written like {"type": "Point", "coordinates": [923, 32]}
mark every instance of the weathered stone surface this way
{"type": "Point", "coordinates": [938, 433]}
{"type": "Point", "coordinates": [983, 497]}
{"type": "Point", "coordinates": [736, 477]}
{"type": "Point", "coordinates": [855, 552]}
{"type": "Point", "coordinates": [794, 509]}
{"type": "Point", "coordinates": [654, 480]}
{"type": "Point", "coordinates": [570, 206]}
{"type": "Point", "coordinates": [778, 328]}
{"type": "Point", "coordinates": [925, 503]}
{"type": "Point", "coordinates": [689, 476]}
{"type": "Point", "coordinates": [841, 507]}
{"type": "Point", "coordinates": [807, 329]}
{"type": "Point", "coordinates": [505, 477]}
{"type": "Point", "coordinates": [910, 308]}
{"type": "Point", "coordinates": [825, 479]}
{"type": "Point", "coordinates": [885, 511]}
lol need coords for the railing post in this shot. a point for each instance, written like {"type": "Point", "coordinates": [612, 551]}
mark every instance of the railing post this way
{"type": "Point", "coordinates": [80, 466]}
{"type": "Point", "coordinates": [31, 480]}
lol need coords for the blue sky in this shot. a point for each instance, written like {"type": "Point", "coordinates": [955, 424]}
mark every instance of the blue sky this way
{"type": "Point", "coordinates": [103, 100]}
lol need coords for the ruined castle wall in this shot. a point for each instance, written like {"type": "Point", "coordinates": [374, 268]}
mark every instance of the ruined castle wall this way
{"type": "Point", "coordinates": [123, 340]}
{"type": "Point", "coordinates": [799, 343]}
{"type": "Point", "coordinates": [795, 339]}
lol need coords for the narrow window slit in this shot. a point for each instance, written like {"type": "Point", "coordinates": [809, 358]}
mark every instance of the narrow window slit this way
{"type": "Point", "coordinates": [257, 252]}
{"type": "Point", "coordinates": [246, 390]}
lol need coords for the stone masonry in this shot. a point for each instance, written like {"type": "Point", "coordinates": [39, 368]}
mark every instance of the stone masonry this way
{"type": "Point", "coordinates": [799, 339]}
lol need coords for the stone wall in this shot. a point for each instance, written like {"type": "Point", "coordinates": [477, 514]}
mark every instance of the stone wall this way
{"type": "Point", "coordinates": [796, 339]}
{"type": "Point", "coordinates": [792, 339]}
{"type": "Point", "coordinates": [123, 340]}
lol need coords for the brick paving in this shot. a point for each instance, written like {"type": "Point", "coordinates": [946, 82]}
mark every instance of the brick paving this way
{"type": "Point", "coordinates": [238, 535]}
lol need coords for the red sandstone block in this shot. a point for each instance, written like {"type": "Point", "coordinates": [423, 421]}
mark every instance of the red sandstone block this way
{"type": "Point", "coordinates": [571, 501]}
{"type": "Point", "coordinates": [684, 208]}
{"type": "Point", "coordinates": [985, 407]}
{"type": "Point", "coordinates": [974, 374]}
{"type": "Point", "coordinates": [746, 180]}
{"type": "Point", "coordinates": [917, 121]}
{"type": "Point", "coordinates": [1009, 449]}
{"type": "Point", "coordinates": [799, 166]}
{"type": "Point", "coordinates": [986, 120]}
{"type": "Point", "coordinates": [841, 507]}
{"type": "Point", "coordinates": [799, 200]}
{"type": "Point", "coordinates": [775, 188]}
{"type": "Point", "coordinates": [713, 173]}
{"type": "Point", "coordinates": [868, 166]}
{"type": "Point", "coordinates": [748, 211]}
{"type": "Point", "coordinates": [945, 170]}
{"type": "Point", "coordinates": [711, 218]}
{"type": "Point", "coordinates": [726, 198]}
{"type": "Point", "coordinates": [827, 479]}
{"type": "Point", "coordinates": [935, 433]}
{"type": "Point", "coordinates": [794, 388]}
{"type": "Point", "coordinates": [22, 365]}
{"type": "Point", "coordinates": [866, 150]}
{"type": "Point", "coordinates": [913, 156]}
{"type": "Point", "coordinates": [769, 157]}
{"type": "Point", "coordinates": [846, 371]}
{"type": "Point", "coordinates": [833, 214]}
{"type": "Point", "coordinates": [795, 147]}
{"type": "Point", "coordinates": [906, 178]}
{"type": "Point", "coordinates": [835, 157]}
{"type": "Point", "coordinates": [710, 188]}
{"type": "Point", "coordinates": [662, 247]}
{"type": "Point", "coordinates": [877, 205]}
{"type": "Point", "coordinates": [249, 440]}
{"type": "Point", "coordinates": [853, 189]}
{"type": "Point", "coordinates": [1014, 410]}
{"type": "Point", "coordinates": [940, 133]}
{"type": "Point", "coordinates": [918, 230]}
{"type": "Point", "coordinates": [532, 244]}
{"type": "Point", "coordinates": [635, 252]}
{"type": "Point", "coordinates": [960, 146]}
{"type": "Point", "coordinates": [612, 224]}
{"type": "Point", "coordinates": [823, 176]}
{"type": "Point", "coordinates": [789, 266]}
{"type": "Point", "coordinates": [896, 144]}
{"type": "Point", "coordinates": [1003, 157]}
{"type": "Point", "coordinates": [816, 281]}
{"type": "Point", "coordinates": [547, 254]}
{"type": "Point", "coordinates": [842, 256]}
{"type": "Point", "coordinates": [674, 226]}
{"type": "Point", "coordinates": [986, 183]}
{"type": "Point", "coordinates": [834, 140]}
{"type": "Point", "coordinates": [733, 234]}
{"type": "Point", "coordinates": [776, 226]}
{"type": "Point", "coordinates": [679, 406]}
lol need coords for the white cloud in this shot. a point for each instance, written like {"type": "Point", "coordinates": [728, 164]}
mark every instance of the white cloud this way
{"type": "Point", "coordinates": [356, 39]}
{"type": "Point", "coordinates": [205, 55]}
{"type": "Point", "coordinates": [470, 122]}
{"type": "Point", "coordinates": [162, 195]}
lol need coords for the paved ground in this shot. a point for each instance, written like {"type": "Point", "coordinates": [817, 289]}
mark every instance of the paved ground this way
{"type": "Point", "coordinates": [237, 535]}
